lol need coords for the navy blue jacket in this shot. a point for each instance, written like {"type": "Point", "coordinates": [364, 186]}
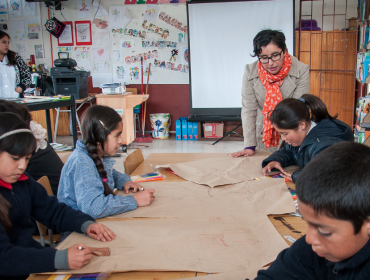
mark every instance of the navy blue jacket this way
{"type": "Point", "coordinates": [322, 136]}
{"type": "Point", "coordinates": [20, 254]}
{"type": "Point", "coordinates": [299, 262]}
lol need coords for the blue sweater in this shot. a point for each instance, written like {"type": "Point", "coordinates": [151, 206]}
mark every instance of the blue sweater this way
{"type": "Point", "coordinates": [81, 186]}
{"type": "Point", "coordinates": [20, 254]}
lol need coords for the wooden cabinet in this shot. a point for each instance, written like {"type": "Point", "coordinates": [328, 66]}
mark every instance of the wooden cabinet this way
{"type": "Point", "coordinates": [124, 105]}
{"type": "Point", "coordinates": [332, 60]}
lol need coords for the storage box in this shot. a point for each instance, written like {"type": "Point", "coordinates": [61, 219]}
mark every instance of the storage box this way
{"type": "Point", "coordinates": [213, 130]}
{"type": "Point", "coordinates": [178, 128]}
{"type": "Point", "coordinates": [195, 131]}
{"type": "Point", "coordinates": [185, 129]}
{"type": "Point", "coordinates": [190, 130]}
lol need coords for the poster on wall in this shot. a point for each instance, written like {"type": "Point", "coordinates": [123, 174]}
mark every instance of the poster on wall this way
{"type": "Point", "coordinates": [119, 73]}
{"type": "Point", "coordinates": [33, 24]}
{"type": "Point", "coordinates": [119, 17]}
{"type": "Point", "coordinates": [3, 10]}
{"type": "Point", "coordinates": [151, 13]}
{"type": "Point", "coordinates": [101, 37]}
{"type": "Point", "coordinates": [21, 49]}
{"type": "Point", "coordinates": [83, 8]}
{"type": "Point", "coordinates": [82, 53]}
{"type": "Point", "coordinates": [151, 74]}
{"type": "Point", "coordinates": [18, 30]}
{"type": "Point", "coordinates": [68, 50]}
{"type": "Point", "coordinates": [184, 53]}
{"type": "Point", "coordinates": [127, 44]}
{"type": "Point", "coordinates": [100, 53]}
{"type": "Point", "coordinates": [134, 73]}
{"type": "Point", "coordinates": [83, 64]}
{"type": "Point", "coordinates": [101, 67]}
{"type": "Point", "coordinates": [29, 8]}
{"type": "Point", "coordinates": [117, 56]}
{"type": "Point", "coordinates": [39, 51]}
{"type": "Point", "coordinates": [66, 38]}
{"type": "Point", "coordinates": [15, 8]}
{"type": "Point", "coordinates": [83, 32]}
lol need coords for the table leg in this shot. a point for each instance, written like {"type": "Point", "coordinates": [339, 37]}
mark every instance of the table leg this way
{"type": "Point", "coordinates": [48, 126]}
{"type": "Point", "coordinates": [74, 127]}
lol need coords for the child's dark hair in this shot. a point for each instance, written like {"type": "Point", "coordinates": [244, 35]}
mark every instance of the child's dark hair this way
{"type": "Point", "coordinates": [18, 144]}
{"type": "Point", "coordinates": [10, 54]}
{"type": "Point", "coordinates": [290, 111]}
{"type": "Point", "coordinates": [16, 108]}
{"type": "Point", "coordinates": [265, 37]}
{"type": "Point", "coordinates": [97, 122]}
{"type": "Point", "coordinates": [336, 183]}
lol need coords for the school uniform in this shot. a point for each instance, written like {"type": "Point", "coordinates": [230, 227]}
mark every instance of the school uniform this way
{"type": "Point", "coordinates": [20, 254]}
{"type": "Point", "coordinates": [324, 134]}
{"type": "Point", "coordinates": [299, 262]}
{"type": "Point", "coordinates": [81, 186]}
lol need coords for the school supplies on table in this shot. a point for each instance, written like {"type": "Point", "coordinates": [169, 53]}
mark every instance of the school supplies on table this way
{"type": "Point", "coordinates": [152, 176]}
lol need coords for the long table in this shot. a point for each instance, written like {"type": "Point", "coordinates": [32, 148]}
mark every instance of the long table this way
{"type": "Point", "coordinates": [286, 225]}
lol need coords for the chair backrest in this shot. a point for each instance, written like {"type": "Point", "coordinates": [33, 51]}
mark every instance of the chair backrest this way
{"type": "Point", "coordinates": [44, 181]}
{"type": "Point", "coordinates": [132, 161]}
{"type": "Point", "coordinates": [133, 90]}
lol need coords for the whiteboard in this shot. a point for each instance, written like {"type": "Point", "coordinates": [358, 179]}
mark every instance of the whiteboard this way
{"type": "Point", "coordinates": [221, 43]}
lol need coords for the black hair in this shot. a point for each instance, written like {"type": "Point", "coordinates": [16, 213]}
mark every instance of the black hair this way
{"type": "Point", "coordinates": [265, 37]}
{"type": "Point", "coordinates": [10, 54]}
{"type": "Point", "coordinates": [336, 183]}
{"type": "Point", "coordinates": [16, 108]}
{"type": "Point", "coordinates": [18, 144]}
{"type": "Point", "coordinates": [290, 111]}
{"type": "Point", "coordinates": [97, 122]}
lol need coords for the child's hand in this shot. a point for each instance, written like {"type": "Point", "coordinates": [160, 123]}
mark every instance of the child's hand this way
{"type": "Point", "coordinates": [246, 153]}
{"type": "Point", "coordinates": [287, 176]}
{"type": "Point", "coordinates": [272, 165]}
{"type": "Point", "coordinates": [100, 232]}
{"type": "Point", "coordinates": [78, 258]}
{"type": "Point", "coordinates": [145, 197]}
{"type": "Point", "coordinates": [132, 185]}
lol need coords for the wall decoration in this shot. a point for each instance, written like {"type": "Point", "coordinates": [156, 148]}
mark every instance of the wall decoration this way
{"type": "Point", "coordinates": [134, 72]}
{"type": "Point", "coordinates": [21, 49]}
{"type": "Point", "coordinates": [119, 16]}
{"type": "Point", "coordinates": [137, 58]}
{"type": "Point", "coordinates": [18, 30]}
{"type": "Point", "coordinates": [181, 37]}
{"type": "Point", "coordinates": [172, 21]}
{"type": "Point", "coordinates": [101, 37]}
{"type": "Point", "coordinates": [99, 11]}
{"type": "Point", "coordinates": [117, 56]}
{"type": "Point", "coordinates": [119, 73]}
{"type": "Point", "coordinates": [83, 32]}
{"type": "Point", "coordinates": [82, 53]}
{"type": "Point", "coordinates": [33, 24]}
{"type": "Point", "coordinates": [15, 8]}
{"type": "Point", "coordinates": [174, 54]}
{"type": "Point", "coordinates": [83, 64]}
{"type": "Point", "coordinates": [3, 10]}
{"type": "Point", "coordinates": [33, 35]}
{"type": "Point", "coordinates": [66, 38]}
{"type": "Point", "coordinates": [101, 67]}
{"type": "Point", "coordinates": [99, 23]}
{"type": "Point", "coordinates": [132, 2]}
{"type": "Point", "coordinates": [158, 44]}
{"type": "Point", "coordinates": [184, 53]}
{"type": "Point", "coordinates": [68, 50]}
{"type": "Point", "coordinates": [39, 51]}
{"type": "Point", "coordinates": [100, 53]}
{"type": "Point", "coordinates": [29, 8]}
{"type": "Point", "coordinates": [171, 66]}
{"type": "Point", "coordinates": [127, 44]}
{"type": "Point", "coordinates": [151, 13]}
{"type": "Point", "coordinates": [130, 32]}
{"type": "Point", "coordinates": [152, 28]}
{"type": "Point", "coordinates": [83, 8]}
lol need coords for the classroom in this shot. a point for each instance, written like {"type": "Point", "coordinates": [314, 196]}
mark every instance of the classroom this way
{"type": "Point", "coordinates": [171, 139]}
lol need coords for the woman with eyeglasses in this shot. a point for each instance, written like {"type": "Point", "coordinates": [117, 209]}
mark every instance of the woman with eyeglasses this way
{"type": "Point", "coordinates": [276, 75]}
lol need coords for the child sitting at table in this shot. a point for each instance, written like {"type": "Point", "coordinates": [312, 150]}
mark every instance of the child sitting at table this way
{"type": "Point", "coordinates": [307, 129]}
{"type": "Point", "coordinates": [22, 198]}
{"type": "Point", "coordinates": [333, 193]}
{"type": "Point", "coordinates": [88, 178]}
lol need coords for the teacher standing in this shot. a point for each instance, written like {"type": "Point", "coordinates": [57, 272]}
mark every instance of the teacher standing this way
{"type": "Point", "coordinates": [14, 75]}
{"type": "Point", "coordinates": [275, 76]}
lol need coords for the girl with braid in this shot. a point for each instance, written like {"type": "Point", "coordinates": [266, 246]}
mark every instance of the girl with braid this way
{"type": "Point", "coordinates": [88, 179]}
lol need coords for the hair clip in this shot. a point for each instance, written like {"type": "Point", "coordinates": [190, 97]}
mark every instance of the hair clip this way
{"type": "Point", "coordinates": [104, 180]}
{"type": "Point", "coordinates": [106, 129]}
{"type": "Point", "coordinates": [15, 132]}
{"type": "Point", "coordinates": [301, 99]}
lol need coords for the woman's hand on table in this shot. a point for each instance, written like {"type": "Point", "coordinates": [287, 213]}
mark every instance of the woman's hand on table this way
{"type": "Point", "coordinates": [79, 256]}
{"type": "Point", "coordinates": [272, 165]}
{"type": "Point", "coordinates": [100, 232]}
{"type": "Point", "coordinates": [132, 185]}
{"type": "Point", "coordinates": [144, 197]}
{"type": "Point", "coordinates": [18, 89]}
{"type": "Point", "coordinates": [245, 153]}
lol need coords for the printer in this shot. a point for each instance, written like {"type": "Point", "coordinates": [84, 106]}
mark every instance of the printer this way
{"type": "Point", "coordinates": [66, 79]}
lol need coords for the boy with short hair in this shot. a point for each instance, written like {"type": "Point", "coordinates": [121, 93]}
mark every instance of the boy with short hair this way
{"type": "Point", "coordinates": [333, 193]}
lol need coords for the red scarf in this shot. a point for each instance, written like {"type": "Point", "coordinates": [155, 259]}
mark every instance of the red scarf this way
{"type": "Point", "coordinates": [272, 84]}
{"type": "Point", "coordinates": [9, 186]}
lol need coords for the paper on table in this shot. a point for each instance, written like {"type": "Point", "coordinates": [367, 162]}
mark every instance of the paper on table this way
{"type": "Point", "coordinates": [236, 275]}
{"type": "Point", "coordinates": [187, 199]}
{"type": "Point", "coordinates": [210, 245]}
{"type": "Point", "coordinates": [221, 170]}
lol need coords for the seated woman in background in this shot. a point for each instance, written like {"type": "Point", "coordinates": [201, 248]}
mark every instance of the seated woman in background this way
{"type": "Point", "coordinates": [88, 179]}
{"type": "Point", "coordinates": [45, 161]}
{"type": "Point", "coordinates": [14, 75]}
{"type": "Point", "coordinates": [307, 128]}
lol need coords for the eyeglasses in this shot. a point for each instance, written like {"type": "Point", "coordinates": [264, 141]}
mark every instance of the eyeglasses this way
{"type": "Point", "coordinates": [273, 57]}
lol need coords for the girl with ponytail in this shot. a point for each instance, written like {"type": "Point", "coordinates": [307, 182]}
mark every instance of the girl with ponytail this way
{"type": "Point", "coordinates": [88, 179]}
{"type": "Point", "coordinates": [22, 199]}
{"type": "Point", "coordinates": [307, 129]}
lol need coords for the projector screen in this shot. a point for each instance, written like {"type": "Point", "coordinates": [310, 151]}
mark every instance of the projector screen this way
{"type": "Point", "coordinates": [220, 45]}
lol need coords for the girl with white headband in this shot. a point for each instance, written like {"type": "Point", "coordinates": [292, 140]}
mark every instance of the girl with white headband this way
{"type": "Point", "coordinates": [307, 129]}
{"type": "Point", "coordinates": [23, 199]}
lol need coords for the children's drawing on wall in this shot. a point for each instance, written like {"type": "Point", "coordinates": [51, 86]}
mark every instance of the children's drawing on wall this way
{"type": "Point", "coordinates": [174, 22]}
{"type": "Point", "coordinates": [99, 23]}
{"type": "Point", "coordinates": [100, 37]}
{"type": "Point", "coordinates": [151, 74]}
{"type": "Point", "coordinates": [152, 28]}
{"type": "Point", "coordinates": [181, 37]}
{"type": "Point", "coordinates": [29, 8]}
{"type": "Point", "coordinates": [33, 24]}
{"type": "Point", "coordinates": [134, 72]}
{"type": "Point", "coordinates": [100, 66]}
{"type": "Point", "coordinates": [119, 73]}
{"type": "Point", "coordinates": [151, 13]}
{"type": "Point", "coordinates": [117, 56]}
{"type": "Point", "coordinates": [33, 35]}
{"type": "Point", "coordinates": [82, 52]}
{"type": "Point", "coordinates": [171, 66]}
{"type": "Point", "coordinates": [158, 44]}
{"type": "Point", "coordinates": [21, 49]}
{"type": "Point", "coordinates": [127, 44]}
{"type": "Point", "coordinates": [174, 55]}
{"type": "Point", "coordinates": [137, 58]}
{"type": "Point", "coordinates": [3, 10]}
{"type": "Point", "coordinates": [83, 64]}
{"type": "Point", "coordinates": [68, 50]}
{"type": "Point", "coordinates": [184, 53]}
{"type": "Point", "coordinates": [100, 53]}
{"type": "Point", "coordinates": [39, 52]}
{"type": "Point", "coordinates": [18, 30]}
{"type": "Point", "coordinates": [119, 16]}
{"type": "Point", "coordinates": [130, 32]}
{"type": "Point", "coordinates": [15, 8]}
{"type": "Point", "coordinates": [99, 11]}
{"type": "Point", "coordinates": [83, 9]}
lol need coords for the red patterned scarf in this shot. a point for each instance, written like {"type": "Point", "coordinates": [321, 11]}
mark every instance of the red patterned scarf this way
{"type": "Point", "coordinates": [272, 84]}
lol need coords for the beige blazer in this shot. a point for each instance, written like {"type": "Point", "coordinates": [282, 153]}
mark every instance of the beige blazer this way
{"type": "Point", "coordinates": [295, 85]}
